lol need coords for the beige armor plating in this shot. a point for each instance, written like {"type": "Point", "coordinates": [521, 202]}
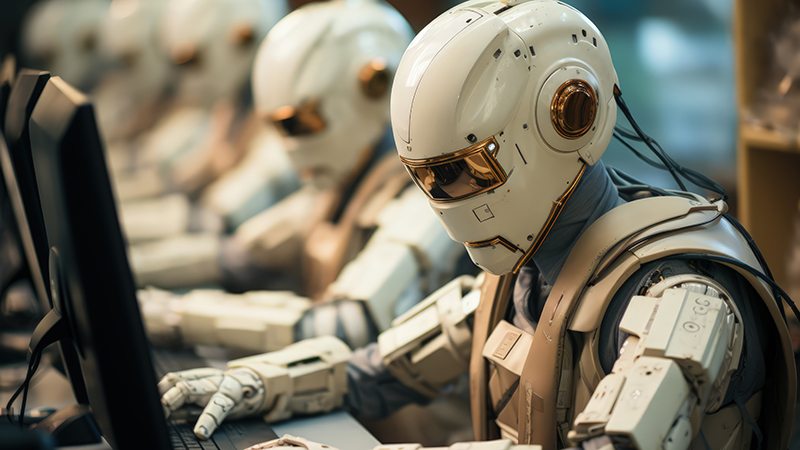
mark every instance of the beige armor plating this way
{"type": "Point", "coordinates": [558, 369]}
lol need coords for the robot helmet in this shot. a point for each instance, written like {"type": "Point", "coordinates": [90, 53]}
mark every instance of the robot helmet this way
{"type": "Point", "coordinates": [322, 76]}
{"type": "Point", "coordinates": [128, 38]}
{"type": "Point", "coordinates": [497, 108]}
{"type": "Point", "coordinates": [61, 36]}
{"type": "Point", "coordinates": [214, 42]}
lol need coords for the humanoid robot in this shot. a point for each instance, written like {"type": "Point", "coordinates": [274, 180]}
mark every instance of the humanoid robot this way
{"type": "Point", "coordinates": [62, 36]}
{"type": "Point", "coordinates": [131, 95]}
{"type": "Point", "coordinates": [358, 233]}
{"type": "Point", "coordinates": [602, 320]}
{"type": "Point", "coordinates": [207, 129]}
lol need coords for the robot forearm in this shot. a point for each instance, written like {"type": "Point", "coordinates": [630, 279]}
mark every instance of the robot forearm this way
{"type": "Point", "coordinates": [247, 323]}
{"type": "Point", "coordinates": [674, 368]}
{"type": "Point", "coordinates": [407, 257]}
{"type": "Point", "coordinates": [291, 442]}
{"type": "Point", "coordinates": [305, 377]}
{"type": "Point", "coordinates": [180, 261]}
{"type": "Point", "coordinates": [428, 347]}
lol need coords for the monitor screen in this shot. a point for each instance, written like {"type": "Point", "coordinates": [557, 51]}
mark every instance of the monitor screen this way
{"type": "Point", "coordinates": [90, 279]}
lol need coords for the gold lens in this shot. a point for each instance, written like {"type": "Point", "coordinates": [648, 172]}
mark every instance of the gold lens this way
{"type": "Point", "coordinates": [303, 120]}
{"type": "Point", "coordinates": [459, 175]}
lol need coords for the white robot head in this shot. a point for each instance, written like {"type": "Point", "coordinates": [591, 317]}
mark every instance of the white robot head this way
{"type": "Point", "coordinates": [129, 39]}
{"type": "Point", "coordinates": [61, 36]}
{"type": "Point", "coordinates": [497, 108]}
{"type": "Point", "coordinates": [214, 43]}
{"type": "Point", "coordinates": [322, 76]}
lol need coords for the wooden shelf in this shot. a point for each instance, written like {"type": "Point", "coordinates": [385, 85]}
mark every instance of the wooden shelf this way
{"type": "Point", "coordinates": [767, 139]}
{"type": "Point", "coordinates": [768, 161]}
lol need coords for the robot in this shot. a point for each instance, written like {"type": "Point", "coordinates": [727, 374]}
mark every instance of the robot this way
{"type": "Point", "coordinates": [62, 36]}
{"type": "Point", "coordinates": [358, 232]}
{"type": "Point", "coordinates": [131, 95]}
{"type": "Point", "coordinates": [605, 318]}
{"type": "Point", "coordinates": [207, 130]}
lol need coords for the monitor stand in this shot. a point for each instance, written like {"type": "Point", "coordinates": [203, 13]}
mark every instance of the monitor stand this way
{"type": "Point", "coordinates": [73, 425]}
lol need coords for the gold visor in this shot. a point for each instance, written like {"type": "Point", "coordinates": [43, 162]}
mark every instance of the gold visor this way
{"type": "Point", "coordinates": [460, 175]}
{"type": "Point", "coordinates": [298, 121]}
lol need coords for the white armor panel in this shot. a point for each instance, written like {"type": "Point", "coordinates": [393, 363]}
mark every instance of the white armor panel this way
{"type": "Point", "coordinates": [186, 260]}
{"type": "Point", "coordinates": [247, 323]}
{"type": "Point", "coordinates": [262, 178]}
{"type": "Point", "coordinates": [429, 346]}
{"type": "Point", "coordinates": [161, 217]}
{"type": "Point", "coordinates": [409, 241]}
{"type": "Point", "coordinates": [688, 344]}
{"type": "Point", "coordinates": [273, 239]}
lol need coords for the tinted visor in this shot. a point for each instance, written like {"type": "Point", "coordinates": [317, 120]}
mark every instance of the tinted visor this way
{"type": "Point", "coordinates": [459, 175]}
{"type": "Point", "coordinates": [298, 121]}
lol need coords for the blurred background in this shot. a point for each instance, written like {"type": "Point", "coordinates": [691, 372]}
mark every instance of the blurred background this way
{"type": "Point", "coordinates": [674, 61]}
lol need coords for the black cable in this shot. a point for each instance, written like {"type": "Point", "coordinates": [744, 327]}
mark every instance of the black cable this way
{"type": "Point", "coordinates": [752, 243]}
{"type": "Point", "coordinates": [638, 154]}
{"type": "Point", "coordinates": [648, 141]}
{"type": "Point", "coordinates": [33, 364]}
{"type": "Point", "coordinates": [25, 393]}
{"type": "Point", "coordinates": [675, 169]}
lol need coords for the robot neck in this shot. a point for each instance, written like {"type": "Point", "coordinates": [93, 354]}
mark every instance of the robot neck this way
{"type": "Point", "coordinates": [594, 196]}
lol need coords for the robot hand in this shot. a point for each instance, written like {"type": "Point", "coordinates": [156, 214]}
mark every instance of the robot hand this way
{"type": "Point", "coordinates": [306, 377]}
{"type": "Point", "coordinates": [290, 442]}
{"type": "Point", "coordinates": [234, 393]}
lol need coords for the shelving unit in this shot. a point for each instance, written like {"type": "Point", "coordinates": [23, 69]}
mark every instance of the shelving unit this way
{"type": "Point", "coordinates": [768, 162]}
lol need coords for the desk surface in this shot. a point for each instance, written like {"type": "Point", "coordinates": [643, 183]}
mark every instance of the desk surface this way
{"type": "Point", "coordinates": [338, 429]}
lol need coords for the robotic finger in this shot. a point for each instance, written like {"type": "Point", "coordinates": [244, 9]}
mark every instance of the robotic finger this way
{"type": "Point", "coordinates": [171, 379]}
{"type": "Point", "coordinates": [198, 391]}
{"type": "Point", "coordinates": [240, 393]}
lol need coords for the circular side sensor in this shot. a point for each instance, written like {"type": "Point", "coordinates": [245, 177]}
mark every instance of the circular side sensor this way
{"type": "Point", "coordinates": [573, 109]}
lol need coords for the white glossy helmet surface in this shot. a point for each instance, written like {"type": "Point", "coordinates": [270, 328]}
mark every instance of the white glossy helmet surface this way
{"type": "Point", "coordinates": [214, 43]}
{"type": "Point", "coordinates": [496, 110]}
{"type": "Point", "coordinates": [61, 36]}
{"type": "Point", "coordinates": [322, 76]}
{"type": "Point", "coordinates": [129, 39]}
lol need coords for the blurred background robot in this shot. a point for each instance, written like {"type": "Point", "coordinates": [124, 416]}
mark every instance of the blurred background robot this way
{"type": "Point", "coordinates": [359, 236]}
{"type": "Point", "coordinates": [619, 315]}
{"type": "Point", "coordinates": [63, 37]}
{"type": "Point", "coordinates": [201, 170]}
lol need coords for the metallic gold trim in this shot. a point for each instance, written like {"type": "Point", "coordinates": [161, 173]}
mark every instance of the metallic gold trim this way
{"type": "Point", "coordinates": [450, 157]}
{"type": "Point", "coordinates": [572, 117]}
{"type": "Point", "coordinates": [558, 206]}
{"type": "Point", "coordinates": [494, 241]}
{"type": "Point", "coordinates": [242, 34]}
{"type": "Point", "coordinates": [373, 78]}
{"type": "Point", "coordinates": [184, 54]}
{"type": "Point", "coordinates": [480, 147]}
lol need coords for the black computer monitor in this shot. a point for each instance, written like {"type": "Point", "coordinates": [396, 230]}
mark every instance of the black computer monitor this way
{"type": "Point", "coordinates": [23, 194]}
{"type": "Point", "coordinates": [20, 181]}
{"type": "Point", "coordinates": [94, 303]}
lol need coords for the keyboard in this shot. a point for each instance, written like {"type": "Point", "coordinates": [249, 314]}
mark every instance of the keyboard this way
{"type": "Point", "coordinates": [236, 435]}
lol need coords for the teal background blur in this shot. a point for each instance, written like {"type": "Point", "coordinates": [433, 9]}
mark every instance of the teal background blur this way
{"type": "Point", "coordinates": [674, 60]}
{"type": "Point", "coordinates": [675, 64]}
